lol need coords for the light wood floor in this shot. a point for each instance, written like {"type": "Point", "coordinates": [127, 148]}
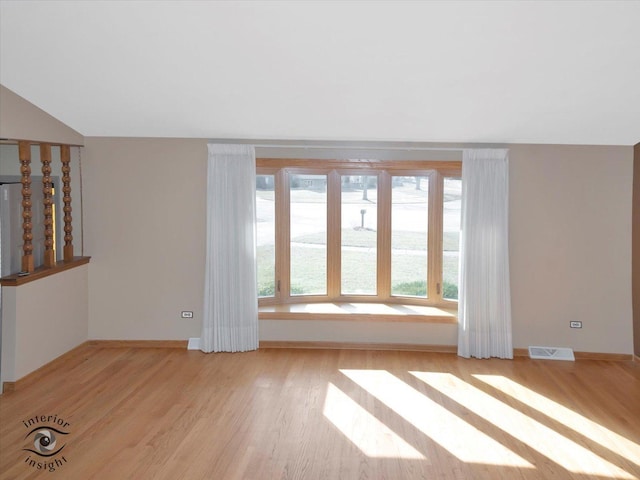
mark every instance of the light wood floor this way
{"type": "Point", "coordinates": [154, 413]}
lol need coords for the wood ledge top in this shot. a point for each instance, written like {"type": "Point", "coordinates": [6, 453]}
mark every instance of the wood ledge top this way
{"type": "Point", "coordinates": [16, 280]}
{"type": "Point", "coordinates": [348, 311]}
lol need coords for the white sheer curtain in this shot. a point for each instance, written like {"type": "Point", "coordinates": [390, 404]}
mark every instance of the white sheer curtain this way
{"type": "Point", "coordinates": [230, 322]}
{"type": "Point", "coordinates": [484, 306]}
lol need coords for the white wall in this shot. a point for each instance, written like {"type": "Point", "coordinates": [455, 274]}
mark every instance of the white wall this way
{"type": "Point", "coordinates": [42, 320]}
{"type": "Point", "coordinates": [570, 247]}
{"type": "Point", "coordinates": [359, 332]}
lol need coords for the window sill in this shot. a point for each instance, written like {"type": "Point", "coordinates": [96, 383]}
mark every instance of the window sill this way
{"type": "Point", "coordinates": [369, 312]}
{"type": "Point", "coordinates": [16, 280]}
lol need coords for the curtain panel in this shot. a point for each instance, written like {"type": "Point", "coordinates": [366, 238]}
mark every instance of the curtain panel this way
{"type": "Point", "coordinates": [484, 305]}
{"type": "Point", "coordinates": [230, 318]}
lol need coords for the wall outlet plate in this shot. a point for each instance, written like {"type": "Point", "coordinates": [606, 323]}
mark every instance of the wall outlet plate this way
{"type": "Point", "coordinates": [186, 314]}
{"type": "Point", "coordinates": [575, 324]}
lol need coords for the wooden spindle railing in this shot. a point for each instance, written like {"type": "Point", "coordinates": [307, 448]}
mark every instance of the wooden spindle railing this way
{"type": "Point", "coordinates": [65, 158]}
{"type": "Point", "coordinates": [49, 259]}
{"type": "Point", "coordinates": [24, 155]}
{"type": "Point", "coordinates": [49, 264]}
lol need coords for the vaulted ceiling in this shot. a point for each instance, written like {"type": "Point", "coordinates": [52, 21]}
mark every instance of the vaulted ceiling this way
{"type": "Point", "coordinates": [507, 72]}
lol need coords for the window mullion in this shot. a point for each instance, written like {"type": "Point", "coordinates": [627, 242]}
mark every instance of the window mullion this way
{"type": "Point", "coordinates": [283, 247]}
{"type": "Point", "coordinates": [384, 236]}
{"type": "Point", "coordinates": [334, 223]}
{"type": "Point", "coordinates": [434, 246]}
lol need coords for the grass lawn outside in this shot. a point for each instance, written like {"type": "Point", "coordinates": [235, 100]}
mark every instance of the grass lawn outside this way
{"type": "Point", "coordinates": [409, 248]}
{"type": "Point", "coordinates": [358, 270]}
{"type": "Point", "coordinates": [367, 239]}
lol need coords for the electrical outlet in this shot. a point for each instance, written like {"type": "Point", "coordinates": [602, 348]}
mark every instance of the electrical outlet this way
{"type": "Point", "coordinates": [575, 324]}
{"type": "Point", "coordinates": [186, 314]}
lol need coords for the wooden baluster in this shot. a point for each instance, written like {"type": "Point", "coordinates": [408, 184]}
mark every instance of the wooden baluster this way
{"type": "Point", "coordinates": [65, 158]}
{"type": "Point", "coordinates": [24, 155]}
{"type": "Point", "coordinates": [49, 252]}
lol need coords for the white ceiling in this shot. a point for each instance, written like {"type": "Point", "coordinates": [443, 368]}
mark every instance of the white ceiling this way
{"type": "Point", "coordinates": [496, 72]}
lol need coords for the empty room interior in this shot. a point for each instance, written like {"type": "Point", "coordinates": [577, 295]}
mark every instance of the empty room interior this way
{"type": "Point", "coordinates": [319, 240]}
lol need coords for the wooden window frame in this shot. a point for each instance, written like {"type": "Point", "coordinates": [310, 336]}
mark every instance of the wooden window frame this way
{"type": "Point", "coordinates": [384, 170]}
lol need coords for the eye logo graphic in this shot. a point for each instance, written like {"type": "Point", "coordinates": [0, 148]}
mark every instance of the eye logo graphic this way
{"type": "Point", "coordinates": [45, 441]}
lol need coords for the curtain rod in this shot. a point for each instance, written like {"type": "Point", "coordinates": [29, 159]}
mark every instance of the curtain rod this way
{"type": "Point", "coordinates": [351, 146]}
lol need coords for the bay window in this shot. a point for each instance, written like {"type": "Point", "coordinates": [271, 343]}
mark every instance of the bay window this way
{"type": "Point", "coordinates": [358, 231]}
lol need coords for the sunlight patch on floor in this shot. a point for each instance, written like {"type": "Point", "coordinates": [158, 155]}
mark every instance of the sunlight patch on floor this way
{"type": "Point", "coordinates": [564, 452]}
{"type": "Point", "coordinates": [364, 430]}
{"type": "Point", "coordinates": [446, 429]}
{"type": "Point", "coordinates": [590, 429]}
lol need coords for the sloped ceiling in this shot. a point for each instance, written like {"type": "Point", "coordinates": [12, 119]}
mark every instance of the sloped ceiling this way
{"type": "Point", "coordinates": [508, 72]}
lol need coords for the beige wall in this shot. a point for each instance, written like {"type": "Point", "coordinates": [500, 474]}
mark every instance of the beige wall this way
{"type": "Point", "coordinates": [144, 226]}
{"type": "Point", "coordinates": [42, 320]}
{"type": "Point", "coordinates": [570, 248]}
{"type": "Point", "coordinates": [144, 202]}
{"type": "Point", "coordinates": [21, 120]}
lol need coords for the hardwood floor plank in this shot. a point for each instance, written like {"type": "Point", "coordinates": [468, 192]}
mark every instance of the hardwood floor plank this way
{"type": "Point", "coordinates": [166, 413]}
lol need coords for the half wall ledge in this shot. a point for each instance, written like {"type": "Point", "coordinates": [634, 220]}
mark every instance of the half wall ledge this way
{"type": "Point", "coordinates": [17, 279]}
